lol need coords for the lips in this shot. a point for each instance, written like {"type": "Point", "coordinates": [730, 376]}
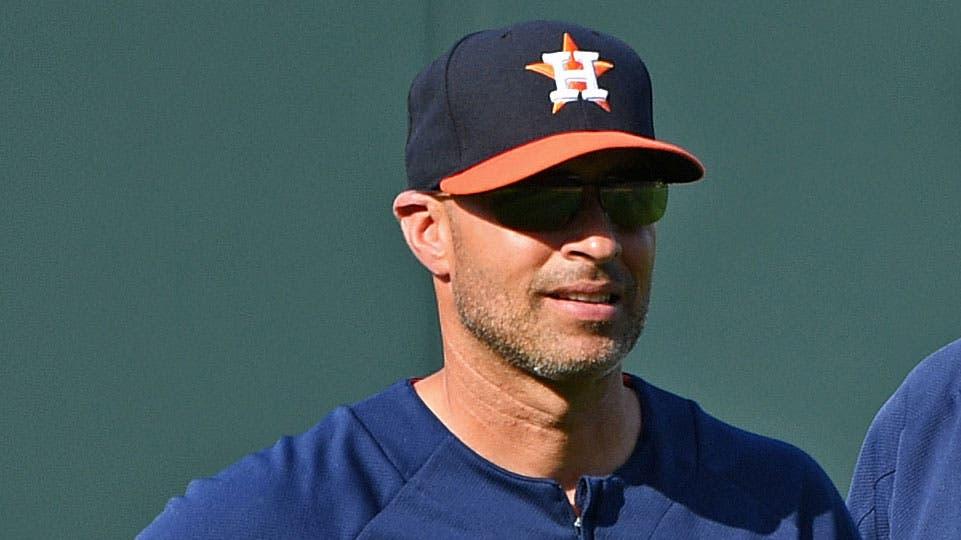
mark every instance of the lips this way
{"type": "Point", "coordinates": [589, 298]}
{"type": "Point", "coordinates": [587, 302]}
{"type": "Point", "coordinates": [605, 293]}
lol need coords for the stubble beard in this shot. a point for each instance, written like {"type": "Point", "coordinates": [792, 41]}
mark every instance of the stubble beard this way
{"type": "Point", "coordinates": [510, 328]}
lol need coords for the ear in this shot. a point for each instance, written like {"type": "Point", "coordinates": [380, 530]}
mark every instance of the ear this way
{"type": "Point", "coordinates": [423, 220]}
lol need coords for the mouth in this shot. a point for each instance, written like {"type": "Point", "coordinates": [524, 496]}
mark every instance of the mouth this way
{"type": "Point", "coordinates": [587, 298]}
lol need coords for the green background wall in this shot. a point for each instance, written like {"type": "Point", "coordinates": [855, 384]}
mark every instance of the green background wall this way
{"type": "Point", "coordinates": [198, 254]}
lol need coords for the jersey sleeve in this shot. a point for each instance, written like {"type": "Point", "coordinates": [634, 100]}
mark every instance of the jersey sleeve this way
{"type": "Point", "coordinates": [906, 482]}
{"type": "Point", "coordinates": [325, 483]}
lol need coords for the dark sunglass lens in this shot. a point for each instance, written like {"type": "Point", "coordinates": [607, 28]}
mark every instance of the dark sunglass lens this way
{"type": "Point", "coordinates": [534, 208]}
{"type": "Point", "coordinates": [632, 206]}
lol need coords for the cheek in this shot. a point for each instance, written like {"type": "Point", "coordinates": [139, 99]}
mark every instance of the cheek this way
{"type": "Point", "coordinates": [497, 254]}
{"type": "Point", "coordinates": [513, 260]}
{"type": "Point", "coordinates": [638, 253]}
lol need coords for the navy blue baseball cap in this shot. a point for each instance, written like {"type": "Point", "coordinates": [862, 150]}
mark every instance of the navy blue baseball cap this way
{"type": "Point", "coordinates": [504, 104]}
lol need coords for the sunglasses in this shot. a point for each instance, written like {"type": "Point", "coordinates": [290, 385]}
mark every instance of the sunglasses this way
{"type": "Point", "coordinates": [544, 206]}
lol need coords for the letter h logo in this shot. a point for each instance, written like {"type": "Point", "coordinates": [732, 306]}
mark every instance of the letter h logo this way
{"type": "Point", "coordinates": [575, 73]}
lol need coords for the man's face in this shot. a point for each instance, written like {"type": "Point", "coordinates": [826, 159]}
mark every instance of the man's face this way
{"type": "Point", "coordinates": [559, 304]}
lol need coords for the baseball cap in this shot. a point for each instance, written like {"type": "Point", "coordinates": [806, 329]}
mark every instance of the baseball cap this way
{"type": "Point", "coordinates": [504, 104]}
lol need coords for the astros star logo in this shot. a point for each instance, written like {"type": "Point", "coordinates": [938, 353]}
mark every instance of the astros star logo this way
{"type": "Point", "coordinates": [575, 72]}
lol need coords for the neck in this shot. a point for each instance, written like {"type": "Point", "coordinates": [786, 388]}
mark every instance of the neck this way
{"type": "Point", "coordinates": [531, 426]}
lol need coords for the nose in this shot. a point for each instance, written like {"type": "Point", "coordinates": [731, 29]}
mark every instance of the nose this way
{"type": "Point", "coordinates": [591, 233]}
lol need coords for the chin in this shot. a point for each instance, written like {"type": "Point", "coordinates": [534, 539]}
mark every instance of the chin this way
{"type": "Point", "coordinates": [590, 360]}
{"type": "Point", "coordinates": [571, 372]}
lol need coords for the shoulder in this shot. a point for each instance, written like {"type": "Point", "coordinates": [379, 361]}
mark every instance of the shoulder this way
{"type": "Point", "coordinates": [936, 377]}
{"type": "Point", "coordinates": [726, 451]}
{"type": "Point", "coordinates": [912, 442]}
{"type": "Point", "coordinates": [772, 472]}
{"type": "Point", "coordinates": [928, 396]}
{"type": "Point", "coordinates": [747, 480]}
{"type": "Point", "coordinates": [327, 482]}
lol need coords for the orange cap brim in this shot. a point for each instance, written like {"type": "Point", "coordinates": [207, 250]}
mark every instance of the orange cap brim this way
{"type": "Point", "coordinates": [523, 161]}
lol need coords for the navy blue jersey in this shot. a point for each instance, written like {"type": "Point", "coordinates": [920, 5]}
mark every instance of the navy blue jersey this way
{"type": "Point", "coordinates": [387, 468]}
{"type": "Point", "coordinates": [907, 482]}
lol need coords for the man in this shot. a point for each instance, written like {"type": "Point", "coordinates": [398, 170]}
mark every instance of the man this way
{"type": "Point", "coordinates": [534, 184]}
{"type": "Point", "coordinates": [907, 482]}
